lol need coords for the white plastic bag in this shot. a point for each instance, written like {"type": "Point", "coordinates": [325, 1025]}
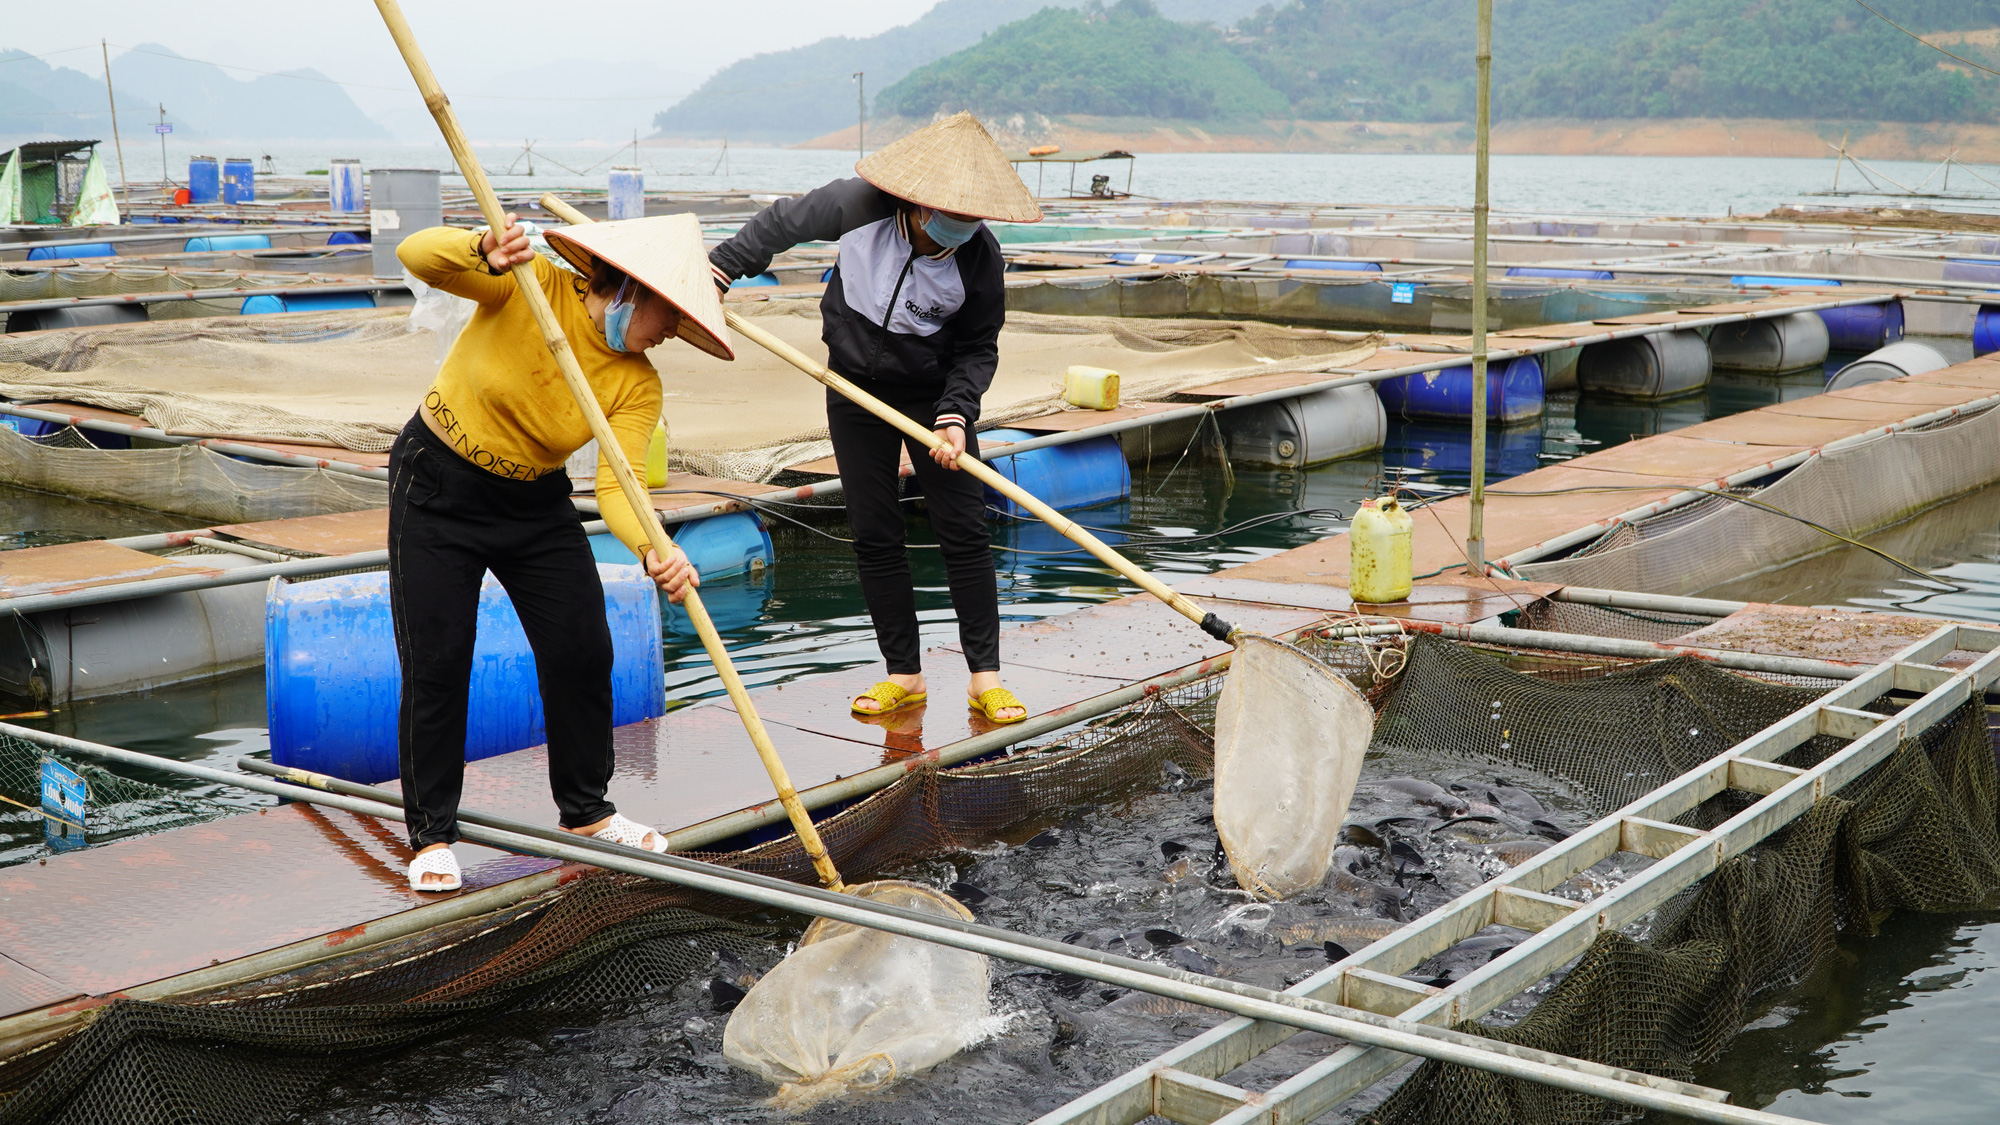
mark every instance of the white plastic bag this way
{"type": "Point", "coordinates": [1290, 736]}
{"type": "Point", "coordinates": [438, 311]}
{"type": "Point", "coordinates": [853, 1008]}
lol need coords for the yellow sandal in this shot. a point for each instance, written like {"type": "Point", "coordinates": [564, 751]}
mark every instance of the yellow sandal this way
{"type": "Point", "coordinates": [994, 700]}
{"type": "Point", "coordinates": [891, 696]}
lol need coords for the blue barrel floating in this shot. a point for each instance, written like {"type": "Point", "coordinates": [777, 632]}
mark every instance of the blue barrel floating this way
{"type": "Point", "coordinates": [333, 685]}
{"type": "Point", "coordinates": [1075, 475]}
{"type": "Point", "coordinates": [346, 238]}
{"type": "Point", "coordinates": [265, 303]}
{"type": "Point", "coordinates": [1759, 281]}
{"type": "Point", "coordinates": [718, 546]}
{"type": "Point", "coordinates": [1330, 264]}
{"type": "Point", "coordinates": [1551, 271]}
{"type": "Point", "coordinates": [627, 199]}
{"type": "Point", "coordinates": [346, 191]}
{"type": "Point", "coordinates": [1863, 328]}
{"type": "Point", "coordinates": [58, 253]}
{"type": "Point", "coordinates": [1148, 257]}
{"type": "Point", "coordinates": [756, 280]}
{"type": "Point", "coordinates": [1513, 393]}
{"type": "Point", "coordinates": [239, 180]}
{"type": "Point", "coordinates": [204, 180]}
{"type": "Point", "coordinates": [1986, 330]}
{"type": "Point", "coordinates": [228, 242]}
{"type": "Point", "coordinates": [1431, 447]}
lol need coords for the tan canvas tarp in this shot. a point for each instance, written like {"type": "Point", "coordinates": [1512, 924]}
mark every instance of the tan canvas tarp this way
{"type": "Point", "coordinates": [353, 378]}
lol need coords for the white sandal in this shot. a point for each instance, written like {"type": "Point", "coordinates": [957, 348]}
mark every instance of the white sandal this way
{"type": "Point", "coordinates": [631, 834]}
{"type": "Point", "coordinates": [438, 862]}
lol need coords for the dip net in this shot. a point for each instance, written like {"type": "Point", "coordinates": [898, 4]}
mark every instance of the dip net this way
{"type": "Point", "coordinates": [1917, 833]}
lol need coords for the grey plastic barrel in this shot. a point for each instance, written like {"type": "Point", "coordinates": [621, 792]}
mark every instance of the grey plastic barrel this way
{"type": "Point", "coordinates": [59, 655]}
{"type": "Point", "coordinates": [1309, 430]}
{"type": "Point", "coordinates": [401, 201]}
{"type": "Point", "coordinates": [1902, 358]}
{"type": "Point", "coordinates": [79, 316]}
{"type": "Point", "coordinates": [1771, 345]}
{"type": "Point", "coordinates": [1659, 365]}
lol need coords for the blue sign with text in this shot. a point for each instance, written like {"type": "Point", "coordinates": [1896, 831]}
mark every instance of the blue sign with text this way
{"type": "Point", "coordinates": [64, 794]}
{"type": "Point", "coordinates": [1403, 293]}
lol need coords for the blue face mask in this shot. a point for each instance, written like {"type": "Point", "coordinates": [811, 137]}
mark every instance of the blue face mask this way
{"type": "Point", "coordinates": [949, 231]}
{"type": "Point", "coordinates": [618, 317]}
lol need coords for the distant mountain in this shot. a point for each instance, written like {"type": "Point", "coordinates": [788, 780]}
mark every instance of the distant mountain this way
{"type": "Point", "coordinates": [53, 103]}
{"type": "Point", "coordinates": [1126, 60]}
{"type": "Point", "coordinates": [786, 96]}
{"type": "Point", "coordinates": [297, 105]}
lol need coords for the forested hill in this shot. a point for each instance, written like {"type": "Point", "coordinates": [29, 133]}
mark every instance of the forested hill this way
{"type": "Point", "coordinates": [1411, 60]}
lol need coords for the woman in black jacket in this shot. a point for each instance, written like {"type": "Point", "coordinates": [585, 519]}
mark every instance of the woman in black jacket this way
{"type": "Point", "coordinates": [912, 314]}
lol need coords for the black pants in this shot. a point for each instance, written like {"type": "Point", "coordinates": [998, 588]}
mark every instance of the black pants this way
{"type": "Point", "coordinates": [449, 523]}
{"type": "Point", "coordinates": [870, 451]}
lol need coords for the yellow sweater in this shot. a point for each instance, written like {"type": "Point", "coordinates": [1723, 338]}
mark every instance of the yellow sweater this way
{"type": "Point", "coordinates": [500, 398]}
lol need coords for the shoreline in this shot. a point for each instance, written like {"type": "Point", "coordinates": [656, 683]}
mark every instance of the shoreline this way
{"type": "Point", "coordinates": [1757, 137]}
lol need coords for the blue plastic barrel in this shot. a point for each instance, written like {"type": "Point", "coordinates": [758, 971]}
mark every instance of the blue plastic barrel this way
{"type": "Point", "coordinates": [87, 250]}
{"type": "Point", "coordinates": [204, 180]}
{"type": "Point", "coordinates": [627, 198]}
{"type": "Point", "coordinates": [1329, 264]}
{"type": "Point", "coordinates": [1148, 257]}
{"type": "Point", "coordinates": [1436, 448]}
{"type": "Point", "coordinates": [346, 191]}
{"type": "Point", "coordinates": [228, 242]}
{"type": "Point", "coordinates": [239, 180]}
{"type": "Point", "coordinates": [719, 546]}
{"type": "Point", "coordinates": [1757, 281]}
{"type": "Point", "coordinates": [1514, 393]}
{"type": "Point", "coordinates": [347, 238]}
{"type": "Point", "coordinates": [1076, 475]}
{"type": "Point", "coordinates": [332, 682]}
{"type": "Point", "coordinates": [265, 303]}
{"type": "Point", "coordinates": [1986, 330]}
{"type": "Point", "coordinates": [1551, 271]}
{"type": "Point", "coordinates": [759, 279]}
{"type": "Point", "coordinates": [1863, 328]}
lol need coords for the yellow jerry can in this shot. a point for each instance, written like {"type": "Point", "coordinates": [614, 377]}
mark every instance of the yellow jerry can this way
{"type": "Point", "coordinates": [1093, 388]}
{"type": "Point", "coordinates": [656, 457]}
{"type": "Point", "coordinates": [1379, 552]}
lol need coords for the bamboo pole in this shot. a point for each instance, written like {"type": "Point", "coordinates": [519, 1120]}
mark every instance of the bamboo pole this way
{"type": "Point", "coordinates": [116, 140]}
{"type": "Point", "coordinates": [1075, 532]}
{"type": "Point", "coordinates": [1475, 535]}
{"type": "Point", "coordinates": [607, 443]}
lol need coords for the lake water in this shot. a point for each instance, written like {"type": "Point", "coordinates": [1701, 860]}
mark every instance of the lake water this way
{"type": "Point", "coordinates": [1900, 1034]}
{"type": "Point", "coordinates": [1716, 185]}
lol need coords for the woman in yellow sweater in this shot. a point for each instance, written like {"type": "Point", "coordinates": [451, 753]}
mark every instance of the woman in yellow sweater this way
{"type": "Point", "coordinates": [477, 483]}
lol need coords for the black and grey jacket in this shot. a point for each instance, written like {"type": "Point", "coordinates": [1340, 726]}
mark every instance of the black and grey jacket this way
{"type": "Point", "coordinates": [890, 314]}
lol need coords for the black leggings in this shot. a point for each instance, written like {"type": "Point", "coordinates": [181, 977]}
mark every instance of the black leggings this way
{"type": "Point", "coordinates": [449, 523]}
{"type": "Point", "coordinates": [870, 451]}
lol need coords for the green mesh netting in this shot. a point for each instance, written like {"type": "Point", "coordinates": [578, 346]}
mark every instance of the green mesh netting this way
{"type": "Point", "coordinates": [1920, 831]}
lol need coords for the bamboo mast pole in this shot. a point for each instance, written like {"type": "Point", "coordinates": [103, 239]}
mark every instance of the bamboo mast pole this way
{"type": "Point", "coordinates": [115, 138]}
{"type": "Point", "coordinates": [614, 454]}
{"type": "Point", "coordinates": [1475, 535]}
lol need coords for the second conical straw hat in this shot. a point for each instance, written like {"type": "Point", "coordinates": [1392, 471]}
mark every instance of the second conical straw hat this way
{"type": "Point", "coordinates": [952, 165]}
{"type": "Point", "coordinates": [665, 254]}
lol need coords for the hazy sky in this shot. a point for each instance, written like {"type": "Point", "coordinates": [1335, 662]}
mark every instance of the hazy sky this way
{"type": "Point", "coordinates": [466, 42]}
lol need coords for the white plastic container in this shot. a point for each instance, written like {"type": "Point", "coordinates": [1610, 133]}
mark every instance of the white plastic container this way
{"type": "Point", "coordinates": [1379, 552]}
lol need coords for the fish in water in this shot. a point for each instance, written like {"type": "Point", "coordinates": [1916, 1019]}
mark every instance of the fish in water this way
{"type": "Point", "coordinates": [1384, 901]}
{"type": "Point", "coordinates": [1422, 792]}
{"type": "Point", "coordinates": [1351, 933]}
{"type": "Point", "coordinates": [1514, 853]}
{"type": "Point", "coordinates": [1361, 836]}
{"type": "Point", "coordinates": [1147, 1004]}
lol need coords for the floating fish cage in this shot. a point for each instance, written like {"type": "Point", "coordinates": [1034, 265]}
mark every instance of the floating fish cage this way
{"type": "Point", "coordinates": [1521, 808]}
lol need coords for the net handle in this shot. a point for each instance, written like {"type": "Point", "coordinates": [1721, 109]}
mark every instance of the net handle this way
{"type": "Point", "coordinates": [614, 454]}
{"type": "Point", "coordinates": [980, 471]}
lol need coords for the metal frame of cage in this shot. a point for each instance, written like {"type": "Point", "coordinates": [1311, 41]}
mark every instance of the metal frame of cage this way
{"type": "Point", "coordinates": [1184, 1084]}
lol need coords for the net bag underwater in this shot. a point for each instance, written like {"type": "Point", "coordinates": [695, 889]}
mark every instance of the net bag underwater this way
{"type": "Point", "coordinates": [1918, 833]}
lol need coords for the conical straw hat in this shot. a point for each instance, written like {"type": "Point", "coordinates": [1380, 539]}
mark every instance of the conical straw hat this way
{"type": "Point", "coordinates": [952, 165]}
{"type": "Point", "coordinates": [664, 254]}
